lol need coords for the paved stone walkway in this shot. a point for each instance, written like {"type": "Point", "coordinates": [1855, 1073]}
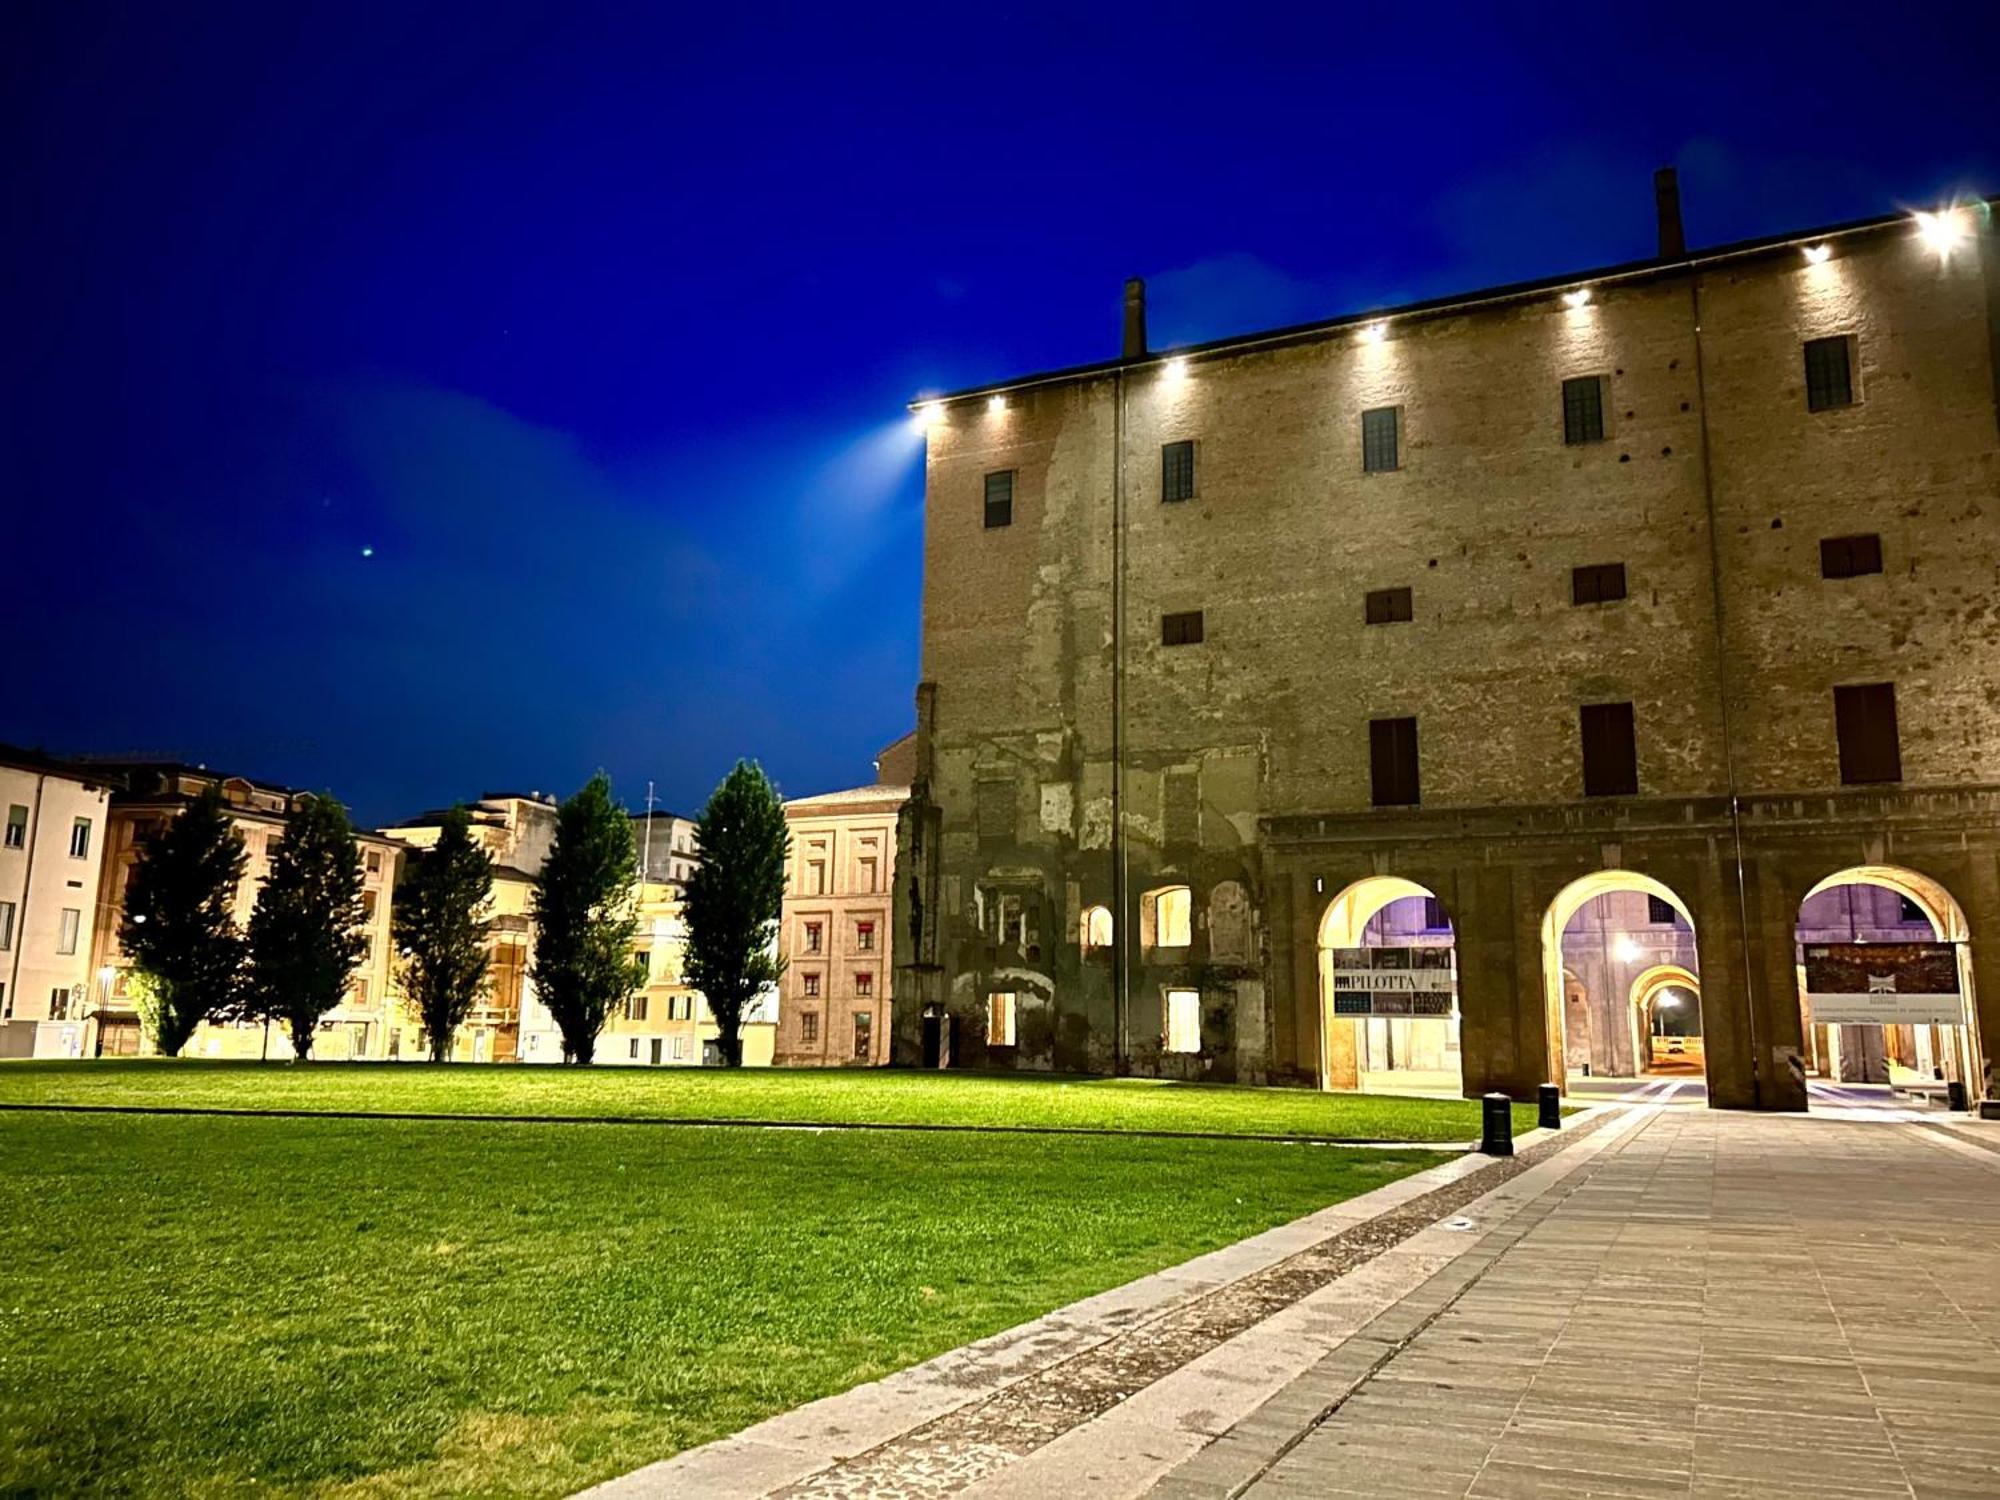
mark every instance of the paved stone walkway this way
{"type": "Point", "coordinates": [1716, 1305]}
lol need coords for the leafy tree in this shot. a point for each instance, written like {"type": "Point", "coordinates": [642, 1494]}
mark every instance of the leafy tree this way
{"type": "Point", "coordinates": [586, 914]}
{"type": "Point", "coordinates": [441, 916]}
{"type": "Point", "coordinates": [180, 925]}
{"type": "Point", "coordinates": [734, 899]}
{"type": "Point", "coordinates": [305, 933]}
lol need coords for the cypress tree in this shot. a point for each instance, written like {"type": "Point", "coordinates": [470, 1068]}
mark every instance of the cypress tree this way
{"type": "Point", "coordinates": [441, 916]}
{"type": "Point", "coordinates": [734, 899]}
{"type": "Point", "coordinates": [305, 933]}
{"type": "Point", "coordinates": [179, 924]}
{"type": "Point", "coordinates": [586, 914]}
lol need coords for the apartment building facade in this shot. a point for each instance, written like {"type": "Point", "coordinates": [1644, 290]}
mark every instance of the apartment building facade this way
{"type": "Point", "coordinates": [836, 935]}
{"type": "Point", "coordinates": [50, 856]}
{"type": "Point", "coordinates": [1675, 578]}
{"type": "Point", "coordinates": [149, 796]}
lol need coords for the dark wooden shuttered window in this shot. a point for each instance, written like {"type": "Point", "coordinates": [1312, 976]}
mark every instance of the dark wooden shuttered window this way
{"type": "Point", "coordinates": [1183, 629]}
{"type": "Point", "coordinates": [1378, 440]}
{"type": "Point", "coordinates": [1387, 606]}
{"type": "Point", "coordinates": [1610, 751]}
{"type": "Point", "coordinates": [1000, 499]}
{"type": "Point", "coordinates": [1583, 409]}
{"type": "Point", "coordinates": [1177, 472]}
{"type": "Point", "coordinates": [1660, 911]}
{"type": "Point", "coordinates": [1829, 374]}
{"type": "Point", "coordinates": [1597, 583]}
{"type": "Point", "coordinates": [1864, 719]}
{"type": "Point", "coordinates": [1850, 556]}
{"type": "Point", "coordinates": [1392, 761]}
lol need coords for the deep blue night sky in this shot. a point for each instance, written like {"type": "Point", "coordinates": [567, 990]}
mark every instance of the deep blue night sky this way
{"type": "Point", "coordinates": [597, 326]}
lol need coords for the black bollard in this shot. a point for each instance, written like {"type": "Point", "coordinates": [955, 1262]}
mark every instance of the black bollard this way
{"type": "Point", "coordinates": [1550, 1098]}
{"type": "Point", "coordinates": [1955, 1098]}
{"type": "Point", "coordinates": [1496, 1125]}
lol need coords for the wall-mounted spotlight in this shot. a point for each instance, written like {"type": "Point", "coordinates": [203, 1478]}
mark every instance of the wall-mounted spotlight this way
{"type": "Point", "coordinates": [925, 416]}
{"type": "Point", "coordinates": [1945, 230]}
{"type": "Point", "coordinates": [1374, 333]}
{"type": "Point", "coordinates": [1176, 368]}
{"type": "Point", "coordinates": [1817, 255]}
{"type": "Point", "coordinates": [995, 405]}
{"type": "Point", "coordinates": [1580, 297]}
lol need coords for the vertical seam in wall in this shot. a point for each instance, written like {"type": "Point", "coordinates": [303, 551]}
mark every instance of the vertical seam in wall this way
{"type": "Point", "coordinates": [1120, 875]}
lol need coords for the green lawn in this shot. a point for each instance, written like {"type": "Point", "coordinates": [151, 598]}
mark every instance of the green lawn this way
{"type": "Point", "coordinates": [751, 1094]}
{"type": "Point", "coordinates": [224, 1307]}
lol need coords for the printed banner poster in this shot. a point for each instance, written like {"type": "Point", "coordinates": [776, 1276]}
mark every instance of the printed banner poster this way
{"type": "Point", "coordinates": [1883, 984]}
{"type": "Point", "coordinates": [1394, 982]}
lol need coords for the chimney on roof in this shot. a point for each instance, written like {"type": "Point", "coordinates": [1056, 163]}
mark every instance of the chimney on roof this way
{"type": "Point", "coordinates": [1667, 205]}
{"type": "Point", "coordinates": [1134, 346]}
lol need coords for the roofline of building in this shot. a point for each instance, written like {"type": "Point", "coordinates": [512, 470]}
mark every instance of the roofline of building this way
{"type": "Point", "coordinates": [884, 794]}
{"type": "Point", "coordinates": [21, 758]}
{"type": "Point", "coordinates": [1655, 268]}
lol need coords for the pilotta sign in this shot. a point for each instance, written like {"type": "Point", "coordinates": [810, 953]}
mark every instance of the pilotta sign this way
{"type": "Point", "coordinates": [1393, 981]}
{"type": "Point", "coordinates": [1884, 984]}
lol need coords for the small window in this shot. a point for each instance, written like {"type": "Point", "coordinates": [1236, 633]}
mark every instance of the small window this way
{"type": "Point", "coordinates": [1597, 583]}
{"type": "Point", "coordinates": [1000, 499]}
{"type": "Point", "coordinates": [1000, 1020]}
{"type": "Point", "coordinates": [1610, 751]}
{"type": "Point", "coordinates": [811, 985]}
{"type": "Point", "coordinates": [79, 839]}
{"type": "Point", "coordinates": [6, 925]}
{"type": "Point", "coordinates": [1378, 440]}
{"type": "Point", "coordinates": [1183, 1021]}
{"type": "Point", "coordinates": [1908, 911]}
{"type": "Point", "coordinates": [17, 826]}
{"type": "Point", "coordinates": [1850, 556]}
{"type": "Point", "coordinates": [1177, 472]}
{"type": "Point", "coordinates": [864, 937]}
{"type": "Point", "coordinates": [812, 937]}
{"type": "Point", "coordinates": [367, 906]}
{"type": "Point", "coordinates": [1183, 629]}
{"type": "Point", "coordinates": [1434, 918]}
{"type": "Point", "coordinates": [1095, 928]}
{"type": "Point", "coordinates": [1660, 911]}
{"type": "Point", "coordinates": [72, 919]}
{"type": "Point", "coordinates": [1864, 721]}
{"type": "Point", "coordinates": [816, 877]}
{"type": "Point", "coordinates": [635, 1007]}
{"type": "Point", "coordinates": [808, 1025]}
{"type": "Point", "coordinates": [1392, 762]}
{"type": "Point", "coordinates": [374, 861]}
{"type": "Point", "coordinates": [1387, 606]}
{"type": "Point", "coordinates": [1829, 373]}
{"type": "Point", "coordinates": [1583, 409]}
{"type": "Point", "coordinates": [864, 985]}
{"type": "Point", "coordinates": [865, 875]}
{"type": "Point", "coordinates": [1166, 917]}
{"type": "Point", "coordinates": [864, 1035]}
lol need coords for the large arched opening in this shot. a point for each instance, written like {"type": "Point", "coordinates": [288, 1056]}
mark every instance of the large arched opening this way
{"type": "Point", "coordinates": [1885, 985]}
{"type": "Point", "coordinates": [1621, 980]}
{"type": "Point", "coordinates": [1388, 984]}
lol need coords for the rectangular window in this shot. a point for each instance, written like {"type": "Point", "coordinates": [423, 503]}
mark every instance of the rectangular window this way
{"type": "Point", "coordinates": [17, 826]}
{"type": "Point", "coordinates": [864, 1035]}
{"type": "Point", "coordinates": [72, 919]}
{"type": "Point", "coordinates": [864, 985]}
{"type": "Point", "coordinates": [1829, 373]}
{"type": "Point", "coordinates": [1378, 440]}
{"type": "Point", "coordinates": [864, 937]}
{"type": "Point", "coordinates": [1908, 911]}
{"type": "Point", "coordinates": [1583, 409]}
{"type": "Point", "coordinates": [374, 862]}
{"type": "Point", "coordinates": [59, 1004]}
{"type": "Point", "coordinates": [1392, 761]}
{"type": "Point", "coordinates": [1387, 606]}
{"type": "Point", "coordinates": [635, 1007]}
{"type": "Point", "coordinates": [79, 839]}
{"type": "Point", "coordinates": [865, 875]}
{"type": "Point", "coordinates": [1434, 915]}
{"type": "Point", "coordinates": [1183, 629]}
{"type": "Point", "coordinates": [1850, 556]}
{"type": "Point", "coordinates": [1177, 472]}
{"type": "Point", "coordinates": [1000, 1020]}
{"type": "Point", "coordinates": [1183, 1021]}
{"type": "Point", "coordinates": [816, 878]}
{"type": "Point", "coordinates": [808, 1025]}
{"type": "Point", "coordinates": [1660, 911]}
{"type": "Point", "coordinates": [812, 937]}
{"type": "Point", "coordinates": [1610, 751]}
{"type": "Point", "coordinates": [1597, 583]}
{"type": "Point", "coordinates": [657, 1044]}
{"type": "Point", "coordinates": [359, 994]}
{"type": "Point", "coordinates": [367, 906]}
{"type": "Point", "coordinates": [1000, 499]}
{"type": "Point", "coordinates": [1864, 720]}
{"type": "Point", "coordinates": [6, 1005]}
{"type": "Point", "coordinates": [635, 1049]}
{"type": "Point", "coordinates": [6, 925]}
{"type": "Point", "coordinates": [811, 986]}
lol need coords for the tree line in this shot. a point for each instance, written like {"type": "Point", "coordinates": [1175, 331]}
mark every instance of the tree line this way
{"type": "Point", "coordinates": [294, 960]}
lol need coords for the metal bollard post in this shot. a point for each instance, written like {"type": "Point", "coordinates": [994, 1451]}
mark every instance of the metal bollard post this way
{"type": "Point", "coordinates": [1955, 1098]}
{"type": "Point", "coordinates": [1496, 1125]}
{"type": "Point", "coordinates": [1550, 1098]}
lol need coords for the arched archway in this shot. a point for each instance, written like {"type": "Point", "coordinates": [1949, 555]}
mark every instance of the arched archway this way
{"type": "Point", "coordinates": [1388, 990]}
{"type": "Point", "coordinates": [1925, 1037]}
{"type": "Point", "coordinates": [1603, 933]}
{"type": "Point", "coordinates": [1666, 1020]}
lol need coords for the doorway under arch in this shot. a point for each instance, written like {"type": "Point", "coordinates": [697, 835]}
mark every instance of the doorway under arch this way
{"type": "Point", "coordinates": [1614, 943]}
{"type": "Point", "coordinates": [1413, 1052]}
{"type": "Point", "coordinates": [1888, 904]}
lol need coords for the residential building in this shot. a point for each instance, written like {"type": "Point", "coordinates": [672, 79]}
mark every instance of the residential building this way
{"type": "Point", "coordinates": [1669, 580]}
{"type": "Point", "coordinates": [153, 793]}
{"type": "Point", "coordinates": [50, 856]}
{"type": "Point", "coordinates": [837, 937]}
{"type": "Point", "coordinates": [663, 844]}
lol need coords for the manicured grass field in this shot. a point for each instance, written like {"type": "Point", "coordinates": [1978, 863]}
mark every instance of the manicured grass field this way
{"type": "Point", "coordinates": [805, 1096]}
{"type": "Point", "coordinates": [324, 1307]}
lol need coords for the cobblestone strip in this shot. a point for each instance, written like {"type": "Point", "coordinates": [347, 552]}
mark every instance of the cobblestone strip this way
{"type": "Point", "coordinates": [953, 1451]}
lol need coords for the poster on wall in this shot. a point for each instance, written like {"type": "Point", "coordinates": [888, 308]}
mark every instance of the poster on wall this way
{"type": "Point", "coordinates": [1394, 982]}
{"type": "Point", "coordinates": [1883, 984]}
